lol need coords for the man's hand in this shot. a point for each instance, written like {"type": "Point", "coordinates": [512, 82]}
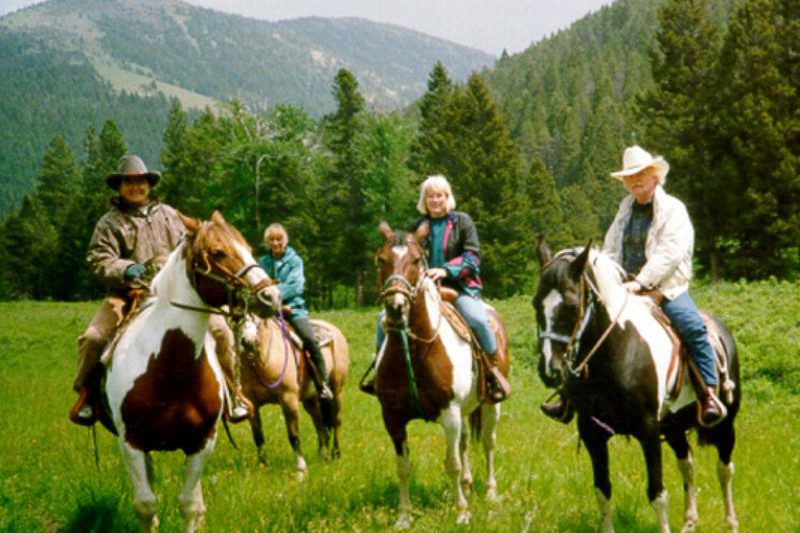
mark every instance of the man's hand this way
{"type": "Point", "coordinates": [632, 287]}
{"type": "Point", "coordinates": [436, 273]}
{"type": "Point", "coordinates": [135, 271]}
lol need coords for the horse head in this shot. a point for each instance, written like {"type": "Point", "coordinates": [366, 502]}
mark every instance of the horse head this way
{"type": "Point", "coordinates": [401, 262]}
{"type": "Point", "coordinates": [560, 308]}
{"type": "Point", "coordinates": [222, 269]}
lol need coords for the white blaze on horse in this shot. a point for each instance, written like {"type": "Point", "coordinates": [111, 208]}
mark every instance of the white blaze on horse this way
{"type": "Point", "coordinates": [164, 385]}
{"type": "Point", "coordinates": [274, 370]}
{"type": "Point", "coordinates": [609, 355]}
{"type": "Point", "coordinates": [426, 370]}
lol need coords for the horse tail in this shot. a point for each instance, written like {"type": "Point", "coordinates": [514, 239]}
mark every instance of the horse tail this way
{"type": "Point", "coordinates": [476, 423]}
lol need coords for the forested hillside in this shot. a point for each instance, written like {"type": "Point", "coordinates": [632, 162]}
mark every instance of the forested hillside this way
{"type": "Point", "coordinates": [713, 87]}
{"type": "Point", "coordinates": [69, 64]}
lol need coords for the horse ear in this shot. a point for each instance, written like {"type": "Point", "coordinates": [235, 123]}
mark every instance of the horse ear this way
{"type": "Point", "coordinates": [578, 266]}
{"type": "Point", "coordinates": [192, 224]}
{"type": "Point", "coordinates": [217, 217]}
{"type": "Point", "coordinates": [543, 250]}
{"type": "Point", "coordinates": [386, 231]}
{"type": "Point", "coordinates": [422, 231]}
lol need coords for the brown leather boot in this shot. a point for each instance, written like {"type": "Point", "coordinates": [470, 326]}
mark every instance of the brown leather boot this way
{"type": "Point", "coordinates": [561, 410]}
{"type": "Point", "coordinates": [712, 411]}
{"type": "Point", "coordinates": [499, 388]}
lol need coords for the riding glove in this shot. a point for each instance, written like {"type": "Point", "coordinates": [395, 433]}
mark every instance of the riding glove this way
{"type": "Point", "coordinates": [135, 271]}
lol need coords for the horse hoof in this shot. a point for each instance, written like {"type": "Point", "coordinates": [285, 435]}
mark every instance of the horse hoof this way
{"type": "Point", "coordinates": [195, 524]}
{"type": "Point", "coordinates": [463, 518]}
{"type": "Point", "coordinates": [689, 526]}
{"type": "Point", "coordinates": [491, 495]}
{"type": "Point", "coordinates": [403, 522]}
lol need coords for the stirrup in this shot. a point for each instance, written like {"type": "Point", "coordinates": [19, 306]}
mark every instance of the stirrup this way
{"type": "Point", "coordinates": [241, 410]}
{"type": "Point", "coordinates": [325, 392]}
{"type": "Point", "coordinates": [81, 412]}
{"type": "Point", "coordinates": [368, 387]}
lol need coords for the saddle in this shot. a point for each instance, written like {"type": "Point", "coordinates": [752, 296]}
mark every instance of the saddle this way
{"type": "Point", "coordinates": [479, 357]}
{"type": "Point", "coordinates": [680, 360]}
{"type": "Point", "coordinates": [322, 333]}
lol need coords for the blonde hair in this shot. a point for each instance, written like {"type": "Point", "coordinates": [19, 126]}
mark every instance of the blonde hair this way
{"type": "Point", "coordinates": [273, 229]}
{"type": "Point", "coordinates": [439, 183]}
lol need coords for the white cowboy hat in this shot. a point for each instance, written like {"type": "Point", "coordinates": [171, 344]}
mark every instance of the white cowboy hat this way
{"type": "Point", "coordinates": [635, 159]}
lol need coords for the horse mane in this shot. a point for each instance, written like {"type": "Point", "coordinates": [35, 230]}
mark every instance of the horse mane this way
{"type": "Point", "coordinates": [608, 276]}
{"type": "Point", "coordinates": [164, 281]}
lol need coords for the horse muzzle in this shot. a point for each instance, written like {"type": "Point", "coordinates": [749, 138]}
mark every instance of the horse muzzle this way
{"type": "Point", "coordinates": [266, 301]}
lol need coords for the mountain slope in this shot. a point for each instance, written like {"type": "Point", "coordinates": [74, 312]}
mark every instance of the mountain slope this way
{"type": "Point", "coordinates": [66, 65]}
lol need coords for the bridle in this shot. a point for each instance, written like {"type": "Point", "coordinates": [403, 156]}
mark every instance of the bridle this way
{"type": "Point", "coordinates": [237, 289]}
{"type": "Point", "coordinates": [588, 295]}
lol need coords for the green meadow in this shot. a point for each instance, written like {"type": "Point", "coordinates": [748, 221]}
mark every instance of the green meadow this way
{"type": "Point", "coordinates": [49, 481]}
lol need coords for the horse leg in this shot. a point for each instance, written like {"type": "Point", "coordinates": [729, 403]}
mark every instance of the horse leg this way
{"type": "Point", "coordinates": [466, 469]}
{"type": "Point", "coordinates": [291, 415]}
{"type": "Point", "coordinates": [724, 438]}
{"type": "Point", "coordinates": [312, 407]}
{"type": "Point", "coordinates": [490, 415]}
{"type": "Point", "coordinates": [453, 424]}
{"type": "Point", "coordinates": [683, 453]}
{"type": "Point", "coordinates": [597, 446]}
{"type": "Point", "coordinates": [656, 493]}
{"type": "Point", "coordinates": [193, 509]}
{"type": "Point", "coordinates": [258, 435]}
{"type": "Point", "coordinates": [395, 424]}
{"type": "Point", "coordinates": [144, 500]}
{"type": "Point", "coordinates": [337, 420]}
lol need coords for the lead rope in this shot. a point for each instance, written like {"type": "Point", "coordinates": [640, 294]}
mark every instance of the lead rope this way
{"type": "Point", "coordinates": [416, 408]}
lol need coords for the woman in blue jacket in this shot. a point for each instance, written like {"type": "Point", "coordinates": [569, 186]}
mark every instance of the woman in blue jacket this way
{"type": "Point", "coordinates": [283, 264]}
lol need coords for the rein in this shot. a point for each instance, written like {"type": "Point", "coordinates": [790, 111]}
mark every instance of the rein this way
{"type": "Point", "coordinates": [410, 293]}
{"type": "Point", "coordinates": [588, 298]}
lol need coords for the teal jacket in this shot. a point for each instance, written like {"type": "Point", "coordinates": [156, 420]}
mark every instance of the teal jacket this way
{"type": "Point", "coordinates": [288, 270]}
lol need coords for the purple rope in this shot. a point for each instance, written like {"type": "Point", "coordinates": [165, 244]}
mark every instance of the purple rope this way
{"type": "Point", "coordinates": [603, 425]}
{"type": "Point", "coordinates": [286, 341]}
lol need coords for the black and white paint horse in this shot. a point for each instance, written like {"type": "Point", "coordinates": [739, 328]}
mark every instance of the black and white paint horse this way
{"type": "Point", "coordinates": [611, 358]}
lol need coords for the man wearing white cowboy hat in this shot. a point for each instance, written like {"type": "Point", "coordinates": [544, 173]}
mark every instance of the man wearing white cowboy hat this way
{"type": "Point", "coordinates": [653, 239]}
{"type": "Point", "coordinates": [130, 241]}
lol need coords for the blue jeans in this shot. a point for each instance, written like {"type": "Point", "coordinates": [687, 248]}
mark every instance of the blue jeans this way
{"type": "Point", "coordinates": [683, 313]}
{"type": "Point", "coordinates": [473, 311]}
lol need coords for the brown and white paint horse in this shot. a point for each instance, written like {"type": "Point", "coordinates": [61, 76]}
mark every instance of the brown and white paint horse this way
{"type": "Point", "coordinates": [164, 384]}
{"type": "Point", "coordinates": [275, 372]}
{"type": "Point", "coordinates": [611, 359]}
{"type": "Point", "coordinates": [435, 378]}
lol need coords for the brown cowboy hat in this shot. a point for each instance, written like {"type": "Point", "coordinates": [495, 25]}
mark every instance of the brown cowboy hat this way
{"type": "Point", "coordinates": [132, 165]}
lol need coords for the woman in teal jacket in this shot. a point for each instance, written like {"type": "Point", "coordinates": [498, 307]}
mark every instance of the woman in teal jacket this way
{"type": "Point", "coordinates": [283, 264]}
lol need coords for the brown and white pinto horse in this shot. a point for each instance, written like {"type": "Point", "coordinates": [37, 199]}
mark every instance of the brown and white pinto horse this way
{"type": "Point", "coordinates": [164, 384]}
{"type": "Point", "coordinates": [273, 371]}
{"type": "Point", "coordinates": [425, 370]}
{"type": "Point", "coordinates": [611, 358]}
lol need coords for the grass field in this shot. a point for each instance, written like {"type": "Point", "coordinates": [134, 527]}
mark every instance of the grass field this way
{"type": "Point", "coordinates": [48, 479]}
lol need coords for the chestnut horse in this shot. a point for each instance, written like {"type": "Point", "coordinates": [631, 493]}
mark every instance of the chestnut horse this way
{"type": "Point", "coordinates": [425, 370]}
{"type": "Point", "coordinates": [164, 384]}
{"type": "Point", "coordinates": [612, 359]}
{"type": "Point", "coordinates": [274, 371]}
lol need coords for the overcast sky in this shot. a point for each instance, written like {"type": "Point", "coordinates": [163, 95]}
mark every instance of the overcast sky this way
{"type": "Point", "coordinates": [488, 25]}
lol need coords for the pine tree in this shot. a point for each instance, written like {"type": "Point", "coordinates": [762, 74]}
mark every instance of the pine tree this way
{"type": "Point", "coordinates": [484, 170]}
{"type": "Point", "coordinates": [756, 147]}
{"type": "Point", "coordinates": [349, 257]}
{"type": "Point", "coordinates": [678, 119]}
{"type": "Point", "coordinates": [429, 150]}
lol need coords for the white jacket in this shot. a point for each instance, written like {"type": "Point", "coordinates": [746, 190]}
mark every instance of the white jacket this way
{"type": "Point", "coordinates": [668, 248]}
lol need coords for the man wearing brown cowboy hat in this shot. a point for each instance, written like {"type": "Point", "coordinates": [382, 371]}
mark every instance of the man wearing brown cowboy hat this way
{"type": "Point", "coordinates": [130, 242]}
{"type": "Point", "coordinates": [652, 238]}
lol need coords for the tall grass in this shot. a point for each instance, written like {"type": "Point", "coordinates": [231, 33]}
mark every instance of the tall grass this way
{"type": "Point", "coordinates": [49, 482]}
